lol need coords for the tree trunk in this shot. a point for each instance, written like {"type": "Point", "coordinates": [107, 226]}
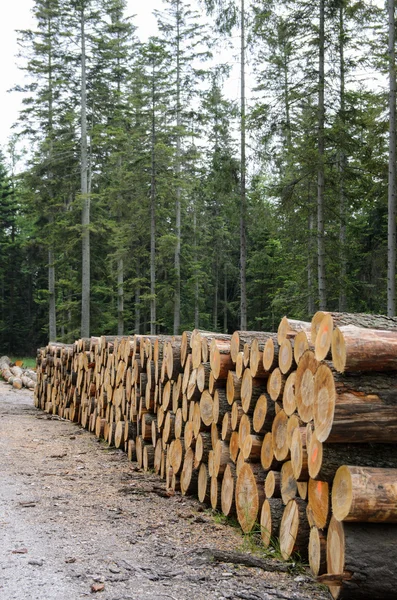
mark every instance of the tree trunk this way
{"type": "Point", "coordinates": [391, 231]}
{"type": "Point", "coordinates": [364, 556]}
{"type": "Point", "coordinates": [342, 165]}
{"type": "Point", "coordinates": [365, 494]}
{"type": "Point", "coordinates": [153, 217]}
{"type": "Point", "coordinates": [177, 263]}
{"type": "Point", "coordinates": [51, 291]}
{"type": "Point", "coordinates": [243, 198]}
{"type": "Point", "coordinates": [85, 215]}
{"type": "Point", "coordinates": [120, 297]}
{"type": "Point", "coordinates": [320, 174]}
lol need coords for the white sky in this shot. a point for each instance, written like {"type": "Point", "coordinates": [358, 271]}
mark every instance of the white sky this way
{"type": "Point", "coordinates": [17, 15]}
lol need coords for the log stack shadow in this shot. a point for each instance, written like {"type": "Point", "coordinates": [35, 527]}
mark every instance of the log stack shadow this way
{"type": "Point", "coordinates": [291, 432]}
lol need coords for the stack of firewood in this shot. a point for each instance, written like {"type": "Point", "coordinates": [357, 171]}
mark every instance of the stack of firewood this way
{"type": "Point", "coordinates": [259, 425]}
{"type": "Point", "coordinates": [16, 375]}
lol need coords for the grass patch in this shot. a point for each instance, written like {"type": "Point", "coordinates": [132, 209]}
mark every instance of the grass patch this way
{"type": "Point", "coordinates": [27, 361]}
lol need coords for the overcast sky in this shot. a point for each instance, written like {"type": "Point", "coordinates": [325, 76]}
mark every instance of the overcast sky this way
{"type": "Point", "coordinates": [17, 15]}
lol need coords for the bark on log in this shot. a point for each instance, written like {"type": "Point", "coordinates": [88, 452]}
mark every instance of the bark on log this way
{"type": "Point", "coordinates": [365, 494]}
{"type": "Point", "coordinates": [357, 349]}
{"type": "Point", "coordinates": [324, 459]}
{"type": "Point", "coordinates": [364, 556]}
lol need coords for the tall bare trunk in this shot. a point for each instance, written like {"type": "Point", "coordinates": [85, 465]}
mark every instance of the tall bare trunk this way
{"type": "Point", "coordinates": [120, 297]}
{"type": "Point", "coordinates": [342, 164]}
{"type": "Point", "coordinates": [52, 319]}
{"type": "Point", "coordinates": [177, 298]}
{"type": "Point", "coordinates": [320, 175]}
{"type": "Point", "coordinates": [137, 327]}
{"type": "Point", "coordinates": [310, 254]}
{"type": "Point", "coordinates": [243, 197]}
{"type": "Point", "coordinates": [196, 273]}
{"type": "Point", "coordinates": [85, 215]}
{"type": "Point", "coordinates": [225, 302]}
{"type": "Point", "coordinates": [391, 233]}
{"type": "Point", "coordinates": [153, 216]}
{"type": "Point", "coordinates": [216, 292]}
{"type": "Point", "coordinates": [52, 332]}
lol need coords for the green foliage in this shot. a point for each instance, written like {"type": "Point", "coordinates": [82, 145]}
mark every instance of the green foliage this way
{"type": "Point", "coordinates": [153, 140]}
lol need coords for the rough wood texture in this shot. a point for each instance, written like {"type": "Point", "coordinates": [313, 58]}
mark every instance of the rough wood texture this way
{"type": "Point", "coordinates": [317, 551]}
{"type": "Point", "coordinates": [304, 385]}
{"type": "Point", "coordinates": [325, 459]}
{"type": "Point", "coordinates": [249, 497]}
{"type": "Point", "coordinates": [357, 349]}
{"type": "Point", "coordinates": [365, 494]}
{"type": "Point", "coordinates": [294, 529]}
{"type": "Point", "coordinates": [271, 515]}
{"type": "Point", "coordinates": [364, 556]}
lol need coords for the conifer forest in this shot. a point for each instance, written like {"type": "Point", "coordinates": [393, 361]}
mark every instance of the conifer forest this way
{"type": "Point", "coordinates": [152, 199]}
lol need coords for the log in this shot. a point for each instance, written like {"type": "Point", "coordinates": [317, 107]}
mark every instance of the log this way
{"type": "Point", "coordinates": [286, 357]}
{"type": "Point", "coordinates": [301, 344]}
{"type": "Point", "coordinates": [289, 400]}
{"type": "Point", "coordinates": [249, 497]}
{"type": "Point", "coordinates": [226, 430]}
{"type": "Point", "coordinates": [207, 408]}
{"type": "Point", "coordinates": [221, 458]}
{"type": "Point", "coordinates": [271, 515]}
{"type": "Point", "coordinates": [288, 328]}
{"type": "Point", "coordinates": [365, 494]}
{"type": "Point", "coordinates": [270, 354]}
{"type": "Point", "coordinates": [325, 459]}
{"type": "Point", "coordinates": [228, 505]}
{"type": "Point", "coordinates": [189, 475]}
{"type": "Point", "coordinates": [288, 483]}
{"type": "Point", "coordinates": [215, 493]}
{"type": "Point", "coordinates": [354, 423]}
{"type": "Point", "coordinates": [357, 349]}
{"type": "Point", "coordinates": [319, 504]}
{"type": "Point", "coordinates": [363, 558]}
{"type": "Point", "coordinates": [256, 359]}
{"type": "Point", "coordinates": [304, 385]}
{"type": "Point", "coordinates": [233, 387]}
{"type": "Point", "coordinates": [299, 457]}
{"type": "Point", "coordinates": [202, 485]}
{"type": "Point", "coordinates": [275, 384]}
{"type": "Point", "coordinates": [317, 551]}
{"type": "Point", "coordinates": [264, 414]}
{"type": "Point", "coordinates": [251, 389]}
{"type": "Point", "coordinates": [273, 484]}
{"type": "Point", "coordinates": [279, 432]}
{"type": "Point", "coordinates": [220, 359]}
{"type": "Point", "coordinates": [294, 529]}
{"type": "Point", "coordinates": [268, 460]}
{"type": "Point", "coordinates": [366, 387]}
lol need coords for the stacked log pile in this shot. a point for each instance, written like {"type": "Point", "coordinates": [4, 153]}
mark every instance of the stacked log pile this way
{"type": "Point", "coordinates": [16, 375]}
{"type": "Point", "coordinates": [281, 430]}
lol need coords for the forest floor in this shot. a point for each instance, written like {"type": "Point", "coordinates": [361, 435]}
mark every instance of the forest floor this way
{"type": "Point", "coordinates": [78, 519]}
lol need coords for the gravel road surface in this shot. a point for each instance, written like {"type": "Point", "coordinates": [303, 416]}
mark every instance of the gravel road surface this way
{"type": "Point", "coordinates": [78, 520]}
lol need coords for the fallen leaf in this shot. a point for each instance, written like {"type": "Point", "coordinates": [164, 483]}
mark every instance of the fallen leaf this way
{"type": "Point", "coordinates": [20, 551]}
{"type": "Point", "coordinates": [97, 587]}
{"type": "Point", "coordinates": [70, 560]}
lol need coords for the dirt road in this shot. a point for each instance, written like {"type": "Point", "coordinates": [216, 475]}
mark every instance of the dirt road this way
{"type": "Point", "coordinates": [76, 516]}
